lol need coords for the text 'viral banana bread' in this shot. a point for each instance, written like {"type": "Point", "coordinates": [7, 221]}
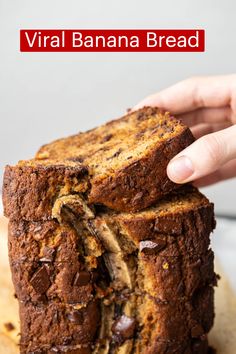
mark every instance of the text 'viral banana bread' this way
{"type": "Point", "coordinates": [107, 255]}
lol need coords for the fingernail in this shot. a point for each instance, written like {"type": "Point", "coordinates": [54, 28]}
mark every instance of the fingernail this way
{"type": "Point", "coordinates": [180, 169]}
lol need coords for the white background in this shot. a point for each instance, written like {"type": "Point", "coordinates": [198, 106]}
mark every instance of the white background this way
{"type": "Point", "coordinates": [44, 96]}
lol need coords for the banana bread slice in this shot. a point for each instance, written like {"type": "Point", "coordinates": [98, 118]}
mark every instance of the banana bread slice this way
{"type": "Point", "coordinates": [166, 245]}
{"type": "Point", "coordinates": [176, 322]}
{"type": "Point", "coordinates": [149, 274]}
{"type": "Point", "coordinates": [58, 324]}
{"type": "Point", "coordinates": [121, 164]}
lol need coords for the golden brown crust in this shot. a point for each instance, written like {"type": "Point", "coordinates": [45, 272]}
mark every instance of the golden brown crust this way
{"type": "Point", "coordinates": [126, 172]}
{"type": "Point", "coordinates": [33, 241]}
{"type": "Point", "coordinates": [57, 324]}
{"type": "Point", "coordinates": [183, 232]}
{"type": "Point", "coordinates": [174, 277]}
{"type": "Point", "coordinates": [194, 346]}
{"type": "Point", "coordinates": [175, 321]}
{"type": "Point", "coordinates": [143, 182]}
{"type": "Point", "coordinates": [29, 191]}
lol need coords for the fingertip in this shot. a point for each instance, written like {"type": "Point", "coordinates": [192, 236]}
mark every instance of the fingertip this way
{"type": "Point", "coordinates": [180, 169]}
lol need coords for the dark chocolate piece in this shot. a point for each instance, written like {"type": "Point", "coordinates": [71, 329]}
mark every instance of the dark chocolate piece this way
{"type": "Point", "coordinates": [197, 331]}
{"type": "Point", "coordinates": [137, 198]}
{"type": "Point", "coordinates": [116, 154]}
{"type": "Point", "coordinates": [124, 327]}
{"type": "Point", "coordinates": [48, 254]}
{"type": "Point", "coordinates": [40, 280]}
{"type": "Point", "coordinates": [76, 159]}
{"type": "Point", "coordinates": [82, 278]}
{"type": "Point", "coordinates": [107, 138]}
{"type": "Point", "coordinates": [152, 247]}
{"type": "Point", "coordinates": [9, 326]}
{"type": "Point", "coordinates": [76, 317]}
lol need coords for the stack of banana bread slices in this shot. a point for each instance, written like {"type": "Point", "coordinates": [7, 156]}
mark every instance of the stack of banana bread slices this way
{"type": "Point", "coordinates": [107, 254]}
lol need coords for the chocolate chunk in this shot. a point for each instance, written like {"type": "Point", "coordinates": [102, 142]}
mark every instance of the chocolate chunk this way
{"type": "Point", "coordinates": [107, 138]}
{"type": "Point", "coordinates": [137, 197]}
{"type": "Point", "coordinates": [116, 154]}
{"type": "Point", "coordinates": [41, 298]}
{"type": "Point", "coordinates": [76, 159]}
{"type": "Point", "coordinates": [40, 281]}
{"type": "Point", "coordinates": [76, 317]}
{"type": "Point", "coordinates": [124, 327]}
{"type": "Point", "coordinates": [141, 115]}
{"type": "Point", "coordinates": [104, 275]}
{"type": "Point", "coordinates": [9, 326]}
{"type": "Point", "coordinates": [48, 254]}
{"type": "Point", "coordinates": [152, 247]}
{"type": "Point", "coordinates": [198, 345]}
{"type": "Point", "coordinates": [118, 309]}
{"type": "Point", "coordinates": [197, 331]}
{"type": "Point", "coordinates": [81, 278]}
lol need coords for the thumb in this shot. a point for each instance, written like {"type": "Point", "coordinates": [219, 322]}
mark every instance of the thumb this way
{"type": "Point", "coordinates": [204, 156]}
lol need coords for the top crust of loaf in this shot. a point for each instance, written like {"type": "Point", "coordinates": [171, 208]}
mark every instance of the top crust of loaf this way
{"type": "Point", "coordinates": [123, 164]}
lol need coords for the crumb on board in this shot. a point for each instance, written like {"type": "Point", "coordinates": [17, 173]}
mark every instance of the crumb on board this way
{"type": "Point", "coordinates": [9, 326]}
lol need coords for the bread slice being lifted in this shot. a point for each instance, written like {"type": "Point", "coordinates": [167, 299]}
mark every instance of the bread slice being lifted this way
{"type": "Point", "coordinates": [121, 164]}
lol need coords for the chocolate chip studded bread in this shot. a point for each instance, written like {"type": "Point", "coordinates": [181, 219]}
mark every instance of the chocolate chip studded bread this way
{"type": "Point", "coordinates": [145, 275]}
{"type": "Point", "coordinates": [107, 255]}
{"type": "Point", "coordinates": [121, 164]}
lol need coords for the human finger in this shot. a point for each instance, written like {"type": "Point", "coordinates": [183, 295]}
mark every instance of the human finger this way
{"type": "Point", "coordinates": [200, 130]}
{"type": "Point", "coordinates": [204, 156]}
{"type": "Point", "coordinates": [225, 172]}
{"type": "Point", "coordinates": [193, 93]}
{"type": "Point", "coordinates": [206, 115]}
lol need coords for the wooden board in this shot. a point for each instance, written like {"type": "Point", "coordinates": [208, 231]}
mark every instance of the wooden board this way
{"type": "Point", "coordinates": [222, 337]}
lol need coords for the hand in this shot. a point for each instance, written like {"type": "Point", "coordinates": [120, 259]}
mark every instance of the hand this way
{"type": "Point", "coordinates": [208, 106]}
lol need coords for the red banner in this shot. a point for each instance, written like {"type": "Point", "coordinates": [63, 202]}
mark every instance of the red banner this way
{"type": "Point", "coordinates": [130, 40]}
